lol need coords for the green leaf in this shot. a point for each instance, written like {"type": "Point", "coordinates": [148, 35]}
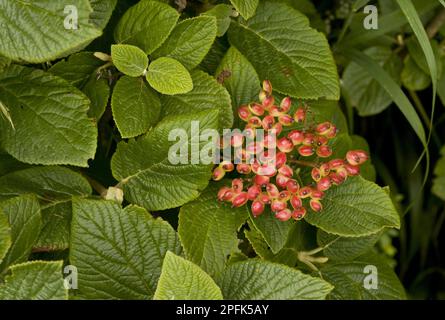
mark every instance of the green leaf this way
{"type": "Point", "coordinates": [183, 280]}
{"type": "Point", "coordinates": [26, 27]}
{"type": "Point", "coordinates": [222, 12]}
{"type": "Point", "coordinates": [146, 25]}
{"type": "Point", "coordinates": [274, 231]}
{"type": "Point", "coordinates": [246, 8]}
{"type": "Point", "coordinates": [275, 42]}
{"type": "Point", "coordinates": [208, 230]}
{"type": "Point", "coordinates": [190, 41]}
{"type": "Point", "coordinates": [35, 280]}
{"type": "Point", "coordinates": [136, 107]}
{"type": "Point", "coordinates": [392, 88]}
{"type": "Point", "coordinates": [415, 51]}
{"type": "Point", "coordinates": [50, 120]}
{"type": "Point", "coordinates": [118, 252]}
{"type": "Point", "coordinates": [441, 84]}
{"type": "Point", "coordinates": [356, 208]}
{"type": "Point", "coordinates": [168, 76]}
{"type": "Point", "coordinates": [348, 277]}
{"type": "Point", "coordinates": [261, 280]}
{"type": "Point", "coordinates": [98, 91]}
{"type": "Point", "coordinates": [413, 77]}
{"type": "Point", "coordinates": [56, 224]}
{"type": "Point", "coordinates": [367, 170]}
{"type": "Point", "coordinates": [239, 78]}
{"type": "Point", "coordinates": [5, 236]}
{"type": "Point", "coordinates": [23, 214]}
{"type": "Point", "coordinates": [147, 175]}
{"type": "Point", "coordinates": [48, 183]}
{"type": "Point", "coordinates": [343, 248]}
{"type": "Point", "coordinates": [366, 94]}
{"type": "Point", "coordinates": [129, 59]}
{"type": "Point", "coordinates": [439, 180]}
{"type": "Point", "coordinates": [102, 10]}
{"type": "Point", "coordinates": [206, 94]}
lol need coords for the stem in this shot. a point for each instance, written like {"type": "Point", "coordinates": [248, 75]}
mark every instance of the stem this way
{"type": "Point", "coordinates": [304, 163]}
{"type": "Point", "coordinates": [435, 24]}
{"type": "Point", "coordinates": [97, 186]}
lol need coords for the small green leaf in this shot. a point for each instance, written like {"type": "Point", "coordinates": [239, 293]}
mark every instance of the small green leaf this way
{"type": "Point", "coordinates": [349, 278]}
{"type": "Point", "coordinates": [50, 119]}
{"type": "Point", "coordinates": [183, 280]}
{"type": "Point", "coordinates": [439, 180]}
{"type": "Point", "coordinates": [275, 42]}
{"type": "Point", "coordinates": [135, 106]}
{"type": "Point", "coordinates": [34, 31]}
{"type": "Point", "coordinates": [222, 12]}
{"type": "Point", "coordinates": [129, 59]}
{"type": "Point", "coordinates": [260, 280]}
{"type": "Point", "coordinates": [149, 178]}
{"type": "Point", "coordinates": [189, 41]}
{"type": "Point", "coordinates": [356, 208]}
{"type": "Point", "coordinates": [246, 8]}
{"type": "Point", "coordinates": [24, 217]}
{"type": "Point", "coordinates": [35, 280]}
{"type": "Point", "coordinates": [208, 230]}
{"type": "Point", "coordinates": [118, 252]}
{"type": "Point", "coordinates": [146, 25]}
{"type": "Point", "coordinates": [168, 76]}
{"type": "Point", "coordinates": [413, 77]}
{"type": "Point", "coordinates": [206, 94]}
{"type": "Point", "coordinates": [5, 235]}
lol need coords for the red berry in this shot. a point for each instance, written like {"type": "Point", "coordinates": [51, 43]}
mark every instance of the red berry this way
{"type": "Point", "coordinates": [256, 109]}
{"type": "Point", "coordinates": [257, 208]}
{"type": "Point", "coordinates": [356, 157]}
{"type": "Point", "coordinates": [316, 174]}
{"type": "Point", "coordinates": [244, 113]}
{"type": "Point", "coordinates": [227, 166]}
{"type": "Point", "coordinates": [316, 205]}
{"type": "Point", "coordinates": [286, 170]}
{"type": "Point", "coordinates": [324, 151]}
{"type": "Point", "coordinates": [272, 190]}
{"type": "Point", "coordinates": [306, 151]}
{"type": "Point", "coordinates": [253, 192]}
{"type": "Point", "coordinates": [320, 141]}
{"type": "Point", "coordinates": [285, 145]}
{"type": "Point", "coordinates": [336, 178]}
{"type": "Point", "coordinates": [305, 192]}
{"type": "Point", "coordinates": [285, 119]}
{"type": "Point", "coordinates": [317, 194]}
{"type": "Point", "coordinates": [270, 141]}
{"type": "Point", "coordinates": [268, 122]}
{"type": "Point", "coordinates": [237, 185]}
{"type": "Point", "coordinates": [336, 163]}
{"type": "Point", "coordinates": [332, 132]}
{"type": "Point", "coordinates": [261, 180]}
{"type": "Point", "coordinates": [266, 170]}
{"type": "Point", "coordinates": [352, 170]}
{"type": "Point", "coordinates": [281, 180]}
{"type": "Point", "coordinates": [280, 159]}
{"type": "Point", "coordinates": [284, 195]}
{"type": "Point", "coordinates": [285, 104]}
{"type": "Point", "coordinates": [218, 173]}
{"type": "Point", "coordinates": [292, 186]}
{"type": "Point", "coordinates": [296, 202]}
{"type": "Point", "coordinates": [309, 139]}
{"type": "Point", "coordinates": [240, 200]}
{"type": "Point", "coordinates": [296, 136]}
{"type": "Point", "coordinates": [243, 168]}
{"type": "Point", "coordinates": [277, 205]}
{"type": "Point", "coordinates": [277, 128]}
{"type": "Point", "coordinates": [255, 122]}
{"type": "Point", "coordinates": [262, 96]}
{"type": "Point", "coordinates": [268, 102]}
{"type": "Point", "coordinates": [264, 198]}
{"type": "Point", "coordinates": [222, 192]}
{"type": "Point", "coordinates": [325, 169]}
{"type": "Point", "coordinates": [267, 87]}
{"type": "Point", "coordinates": [237, 139]}
{"type": "Point", "coordinates": [324, 184]}
{"type": "Point", "coordinates": [284, 215]}
{"type": "Point", "coordinates": [275, 111]}
{"type": "Point", "coordinates": [300, 115]}
{"type": "Point", "coordinates": [299, 213]}
{"type": "Point", "coordinates": [324, 128]}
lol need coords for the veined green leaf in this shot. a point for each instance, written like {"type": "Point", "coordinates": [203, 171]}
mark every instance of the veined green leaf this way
{"type": "Point", "coordinates": [183, 280]}
{"type": "Point", "coordinates": [5, 235]}
{"type": "Point", "coordinates": [246, 8]}
{"type": "Point", "coordinates": [168, 76]}
{"type": "Point", "coordinates": [129, 59]}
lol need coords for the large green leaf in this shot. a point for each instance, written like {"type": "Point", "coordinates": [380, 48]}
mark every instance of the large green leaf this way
{"type": "Point", "coordinates": [206, 94]}
{"type": "Point", "coordinates": [208, 230]}
{"type": "Point", "coordinates": [246, 8]}
{"type": "Point", "coordinates": [136, 107]}
{"type": "Point", "coordinates": [50, 119]}
{"type": "Point", "coordinates": [129, 59]}
{"type": "Point", "coordinates": [24, 217]}
{"type": "Point", "coordinates": [35, 280]}
{"type": "Point", "coordinates": [34, 31]}
{"type": "Point", "coordinates": [345, 248]}
{"type": "Point", "coordinates": [439, 181]}
{"type": "Point", "coordinates": [146, 25]}
{"type": "Point", "coordinates": [102, 10]}
{"type": "Point", "coordinates": [349, 277]}
{"type": "Point", "coordinates": [147, 175]}
{"type": "Point", "coordinates": [239, 77]}
{"type": "Point", "coordinates": [413, 77]}
{"type": "Point", "coordinates": [48, 183]}
{"type": "Point", "coordinates": [189, 41]}
{"type": "Point", "coordinates": [356, 208]}
{"type": "Point", "coordinates": [183, 280]}
{"type": "Point", "coordinates": [222, 13]}
{"type": "Point", "coordinates": [118, 252]}
{"type": "Point", "coordinates": [284, 49]}
{"type": "Point", "coordinates": [261, 280]}
{"type": "Point", "coordinates": [366, 94]}
{"type": "Point", "coordinates": [274, 231]}
{"type": "Point", "coordinates": [168, 76]}
{"type": "Point", "coordinates": [5, 235]}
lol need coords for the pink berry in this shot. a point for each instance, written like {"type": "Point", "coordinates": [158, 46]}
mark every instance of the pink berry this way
{"type": "Point", "coordinates": [284, 215]}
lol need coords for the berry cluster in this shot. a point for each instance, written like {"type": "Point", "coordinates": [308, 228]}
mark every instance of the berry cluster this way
{"type": "Point", "coordinates": [273, 183]}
